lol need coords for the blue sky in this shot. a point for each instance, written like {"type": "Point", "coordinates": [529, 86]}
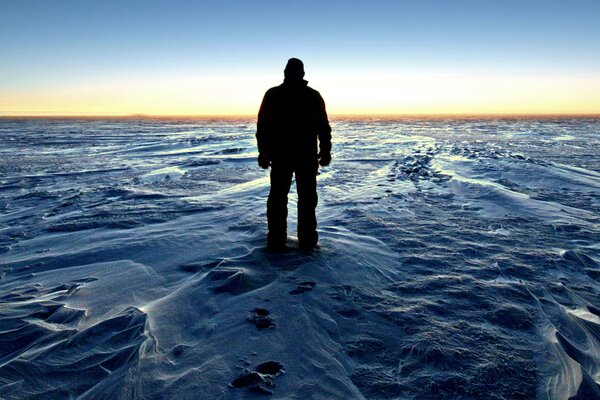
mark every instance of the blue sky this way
{"type": "Point", "coordinates": [47, 46]}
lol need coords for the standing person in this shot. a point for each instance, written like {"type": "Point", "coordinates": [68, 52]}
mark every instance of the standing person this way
{"type": "Point", "coordinates": [291, 118]}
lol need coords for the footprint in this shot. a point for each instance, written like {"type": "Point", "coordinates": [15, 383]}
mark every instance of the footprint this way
{"type": "Point", "coordinates": [273, 368]}
{"type": "Point", "coordinates": [303, 287]}
{"type": "Point", "coordinates": [259, 380]}
{"type": "Point", "coordinates": [179, 349]}
{"type": "Point", "coordinates": [248, 378]}
{"type": "Point", "coordinates": [261, 319]}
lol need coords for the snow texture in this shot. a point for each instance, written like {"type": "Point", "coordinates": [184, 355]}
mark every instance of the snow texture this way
{"type": "Point", "coordinates": [458, 259]}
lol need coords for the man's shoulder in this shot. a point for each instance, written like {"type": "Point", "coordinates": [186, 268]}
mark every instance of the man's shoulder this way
{"type": "Point", "coordinates": [283, 90]}
{"type": "Point", "coordinates": [314, 93]}
{"type": "Point", "coordinates": [273, 91]}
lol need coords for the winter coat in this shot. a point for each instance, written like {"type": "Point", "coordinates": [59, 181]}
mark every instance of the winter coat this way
{"type": "Point", "coordinates": [291, 118]}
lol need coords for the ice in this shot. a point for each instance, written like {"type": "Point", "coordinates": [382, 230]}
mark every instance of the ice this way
{"type": "Point", "coordinates": [458, 258]}
{"type": "Point", "coordinates": [167, 173]}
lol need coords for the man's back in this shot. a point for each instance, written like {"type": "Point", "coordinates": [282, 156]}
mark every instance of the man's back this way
{"type": "Point", "coordinates": [291, 117]}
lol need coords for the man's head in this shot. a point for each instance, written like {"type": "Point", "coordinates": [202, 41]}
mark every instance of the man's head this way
{"type": "Point", "coordinates": [294, 69]}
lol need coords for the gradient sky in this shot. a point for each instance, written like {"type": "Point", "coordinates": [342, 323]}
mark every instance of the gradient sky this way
{"type": "Point", "coordinates": [365, 57]}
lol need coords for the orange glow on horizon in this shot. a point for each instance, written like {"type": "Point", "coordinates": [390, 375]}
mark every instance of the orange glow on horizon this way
{"type": "Point", "coordinates": [345, 94]}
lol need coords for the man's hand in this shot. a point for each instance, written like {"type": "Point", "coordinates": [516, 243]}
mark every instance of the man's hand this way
{"type": "Point", "coordinates": [324, 159]}
{"type": "Point", "coordinates": [263, 161]}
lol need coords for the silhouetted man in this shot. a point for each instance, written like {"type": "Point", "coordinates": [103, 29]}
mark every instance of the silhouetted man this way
{"type": "Point", "coordinates": [291, 117]}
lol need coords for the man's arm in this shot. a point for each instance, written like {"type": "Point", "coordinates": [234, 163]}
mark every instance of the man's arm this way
{"type": "Point", "coordinates": [262, 132]}
{"type": "Point", "coordinates": [324, 132]}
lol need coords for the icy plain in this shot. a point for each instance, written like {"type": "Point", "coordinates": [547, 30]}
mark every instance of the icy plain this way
{"type": "Point", "coordinates": [459, 259]}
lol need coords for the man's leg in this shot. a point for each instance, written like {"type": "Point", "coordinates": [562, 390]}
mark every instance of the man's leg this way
{"type": "Point", "coordinates": [306, 184]}
{"type": "Point", "coordinates": [281, 179]}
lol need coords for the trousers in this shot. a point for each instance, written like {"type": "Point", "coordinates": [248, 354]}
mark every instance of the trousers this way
{"type": "Point", "coordinates": [277, 212]}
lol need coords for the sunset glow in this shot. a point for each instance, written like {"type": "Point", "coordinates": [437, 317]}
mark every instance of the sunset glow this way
{"type": "Point", "coordinates": [421, 63]}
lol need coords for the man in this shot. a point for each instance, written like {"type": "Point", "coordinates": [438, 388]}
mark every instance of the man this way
{"type": "Point", "coordinates": [291, 118]}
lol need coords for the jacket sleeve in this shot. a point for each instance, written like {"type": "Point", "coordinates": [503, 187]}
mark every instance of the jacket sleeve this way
{"type": "Point", "coordinates": [264, 126]}
{"type": "Point", "coordinates": [323, 129]}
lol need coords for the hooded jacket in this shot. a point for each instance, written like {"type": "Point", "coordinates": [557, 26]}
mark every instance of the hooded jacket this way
{"type": "Point", "coordinates": [291, 118]}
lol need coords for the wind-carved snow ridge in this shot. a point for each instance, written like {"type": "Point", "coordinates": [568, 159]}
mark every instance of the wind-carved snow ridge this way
{"type": "Point", "coordinates": [458, 259]}
{"type": "Point", "coordinates": [45, 354]}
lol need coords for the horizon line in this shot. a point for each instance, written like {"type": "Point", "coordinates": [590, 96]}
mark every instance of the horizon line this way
{"type": "Point", "coordinates": [332, 116]}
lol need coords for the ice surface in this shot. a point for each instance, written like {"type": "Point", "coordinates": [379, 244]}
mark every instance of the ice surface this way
{"type": "Point", "coordinates": [459, 259]}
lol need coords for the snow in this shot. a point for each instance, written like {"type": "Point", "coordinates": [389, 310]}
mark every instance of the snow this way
{"type": "Point", "coordinates": [458, 259]}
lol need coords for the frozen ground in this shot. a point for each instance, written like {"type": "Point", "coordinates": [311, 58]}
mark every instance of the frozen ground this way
{"type": "Point", "coordinates": [460, 259]}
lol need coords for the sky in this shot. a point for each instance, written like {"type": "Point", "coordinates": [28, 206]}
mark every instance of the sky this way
{"type": "Point", "coordinates": [365, 57]}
